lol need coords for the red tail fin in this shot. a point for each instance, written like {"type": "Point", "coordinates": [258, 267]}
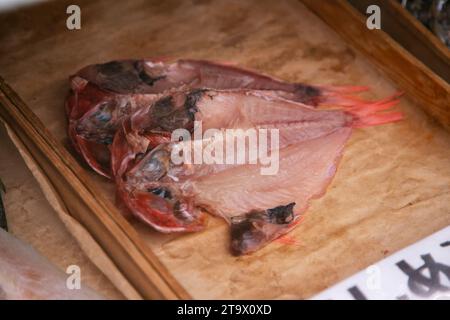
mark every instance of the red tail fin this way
{"type": "Point", "coordinates": [377, 119]}
{"type": "Point", "coordinates": [341, 96]}
{"type": "Point", "coordinates": [366, 115]}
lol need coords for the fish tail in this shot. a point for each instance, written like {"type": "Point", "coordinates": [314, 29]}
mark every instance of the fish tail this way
{"type": "Point", "coordinates": [367, 115]}
{"type": "Point", "coordinates": [366, 110]}
{"type": "Point", "coordinates": [378, 119]}
{"type": "Point", "coordinates": [342, 96]}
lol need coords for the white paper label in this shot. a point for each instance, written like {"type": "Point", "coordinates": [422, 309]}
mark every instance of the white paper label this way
{"type": "Point", "coordinates": [420, 271]}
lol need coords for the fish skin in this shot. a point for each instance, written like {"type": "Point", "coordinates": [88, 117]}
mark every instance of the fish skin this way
{"type": "Point", "coordinates": [25, 274]}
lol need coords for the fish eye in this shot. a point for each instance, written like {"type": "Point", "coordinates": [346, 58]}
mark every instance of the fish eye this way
{"type": "Point", "coordinates": [161, 192]}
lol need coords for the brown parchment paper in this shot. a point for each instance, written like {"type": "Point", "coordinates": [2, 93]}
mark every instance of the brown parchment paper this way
{"type": "Point", "coordinates": [392, 186]}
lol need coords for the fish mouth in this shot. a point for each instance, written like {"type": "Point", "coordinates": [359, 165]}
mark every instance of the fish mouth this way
{"type": "Point", "coordinates": [165, 212]}
{"type": "Point", "coordinates": [255, 229]}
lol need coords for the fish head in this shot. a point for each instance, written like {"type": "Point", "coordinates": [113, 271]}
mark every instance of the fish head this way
{"type": "Point", "coordinates": [162, 207]}
{"type": "Point", "coordinates": [100, 123]}
{"type": "Point", "coordinates": [121, 76]}
{"type": "Point", "coordinates": [155, 197]}
{"type": "Point", "coordinates": [175, 110]}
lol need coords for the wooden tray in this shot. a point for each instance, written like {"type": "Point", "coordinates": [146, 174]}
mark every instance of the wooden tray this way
{"type": "Point", "coordinates": [409, 32]}
{"type": "Point", "coordinates": [393, 183]}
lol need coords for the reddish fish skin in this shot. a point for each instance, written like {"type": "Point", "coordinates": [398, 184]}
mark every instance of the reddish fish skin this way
{"type": "Point", "coordinates": [84, 97]}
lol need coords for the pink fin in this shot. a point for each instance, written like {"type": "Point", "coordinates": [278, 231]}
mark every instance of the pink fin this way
{"type": "Point", "coordinates": [367, 115]}
{"type": "Point", "coordinates": [377, 119]}
{"type": "Point", "coordinates": [290, 240]}
{"type": "Point", "coordinates": [338, 96]}
{"type": "Point", "coordinates": [365, 110]}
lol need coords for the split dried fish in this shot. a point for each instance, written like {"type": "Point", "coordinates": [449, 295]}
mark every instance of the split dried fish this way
{"type": "Point", "coordinates": [173, 198]}
{"type": "Point", "coordinates": [103, 95]}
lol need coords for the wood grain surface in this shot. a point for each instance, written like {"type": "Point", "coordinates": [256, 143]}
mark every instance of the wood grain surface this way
{"type": "Point", "coordinates": [392, 186]}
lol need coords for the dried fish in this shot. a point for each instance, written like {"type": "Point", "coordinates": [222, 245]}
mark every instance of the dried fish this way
{"type": "Point", "coordinates": [103, 95]}
{"type": "Point", "coordinates": [172, 197]}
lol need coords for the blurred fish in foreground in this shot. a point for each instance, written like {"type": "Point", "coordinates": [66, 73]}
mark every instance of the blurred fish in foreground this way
{"type": "Point", "coordinates": [25, 274]}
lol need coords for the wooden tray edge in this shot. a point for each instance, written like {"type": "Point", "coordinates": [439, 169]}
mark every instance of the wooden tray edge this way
{"type": "Point", "coordinates": [414, 77]}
